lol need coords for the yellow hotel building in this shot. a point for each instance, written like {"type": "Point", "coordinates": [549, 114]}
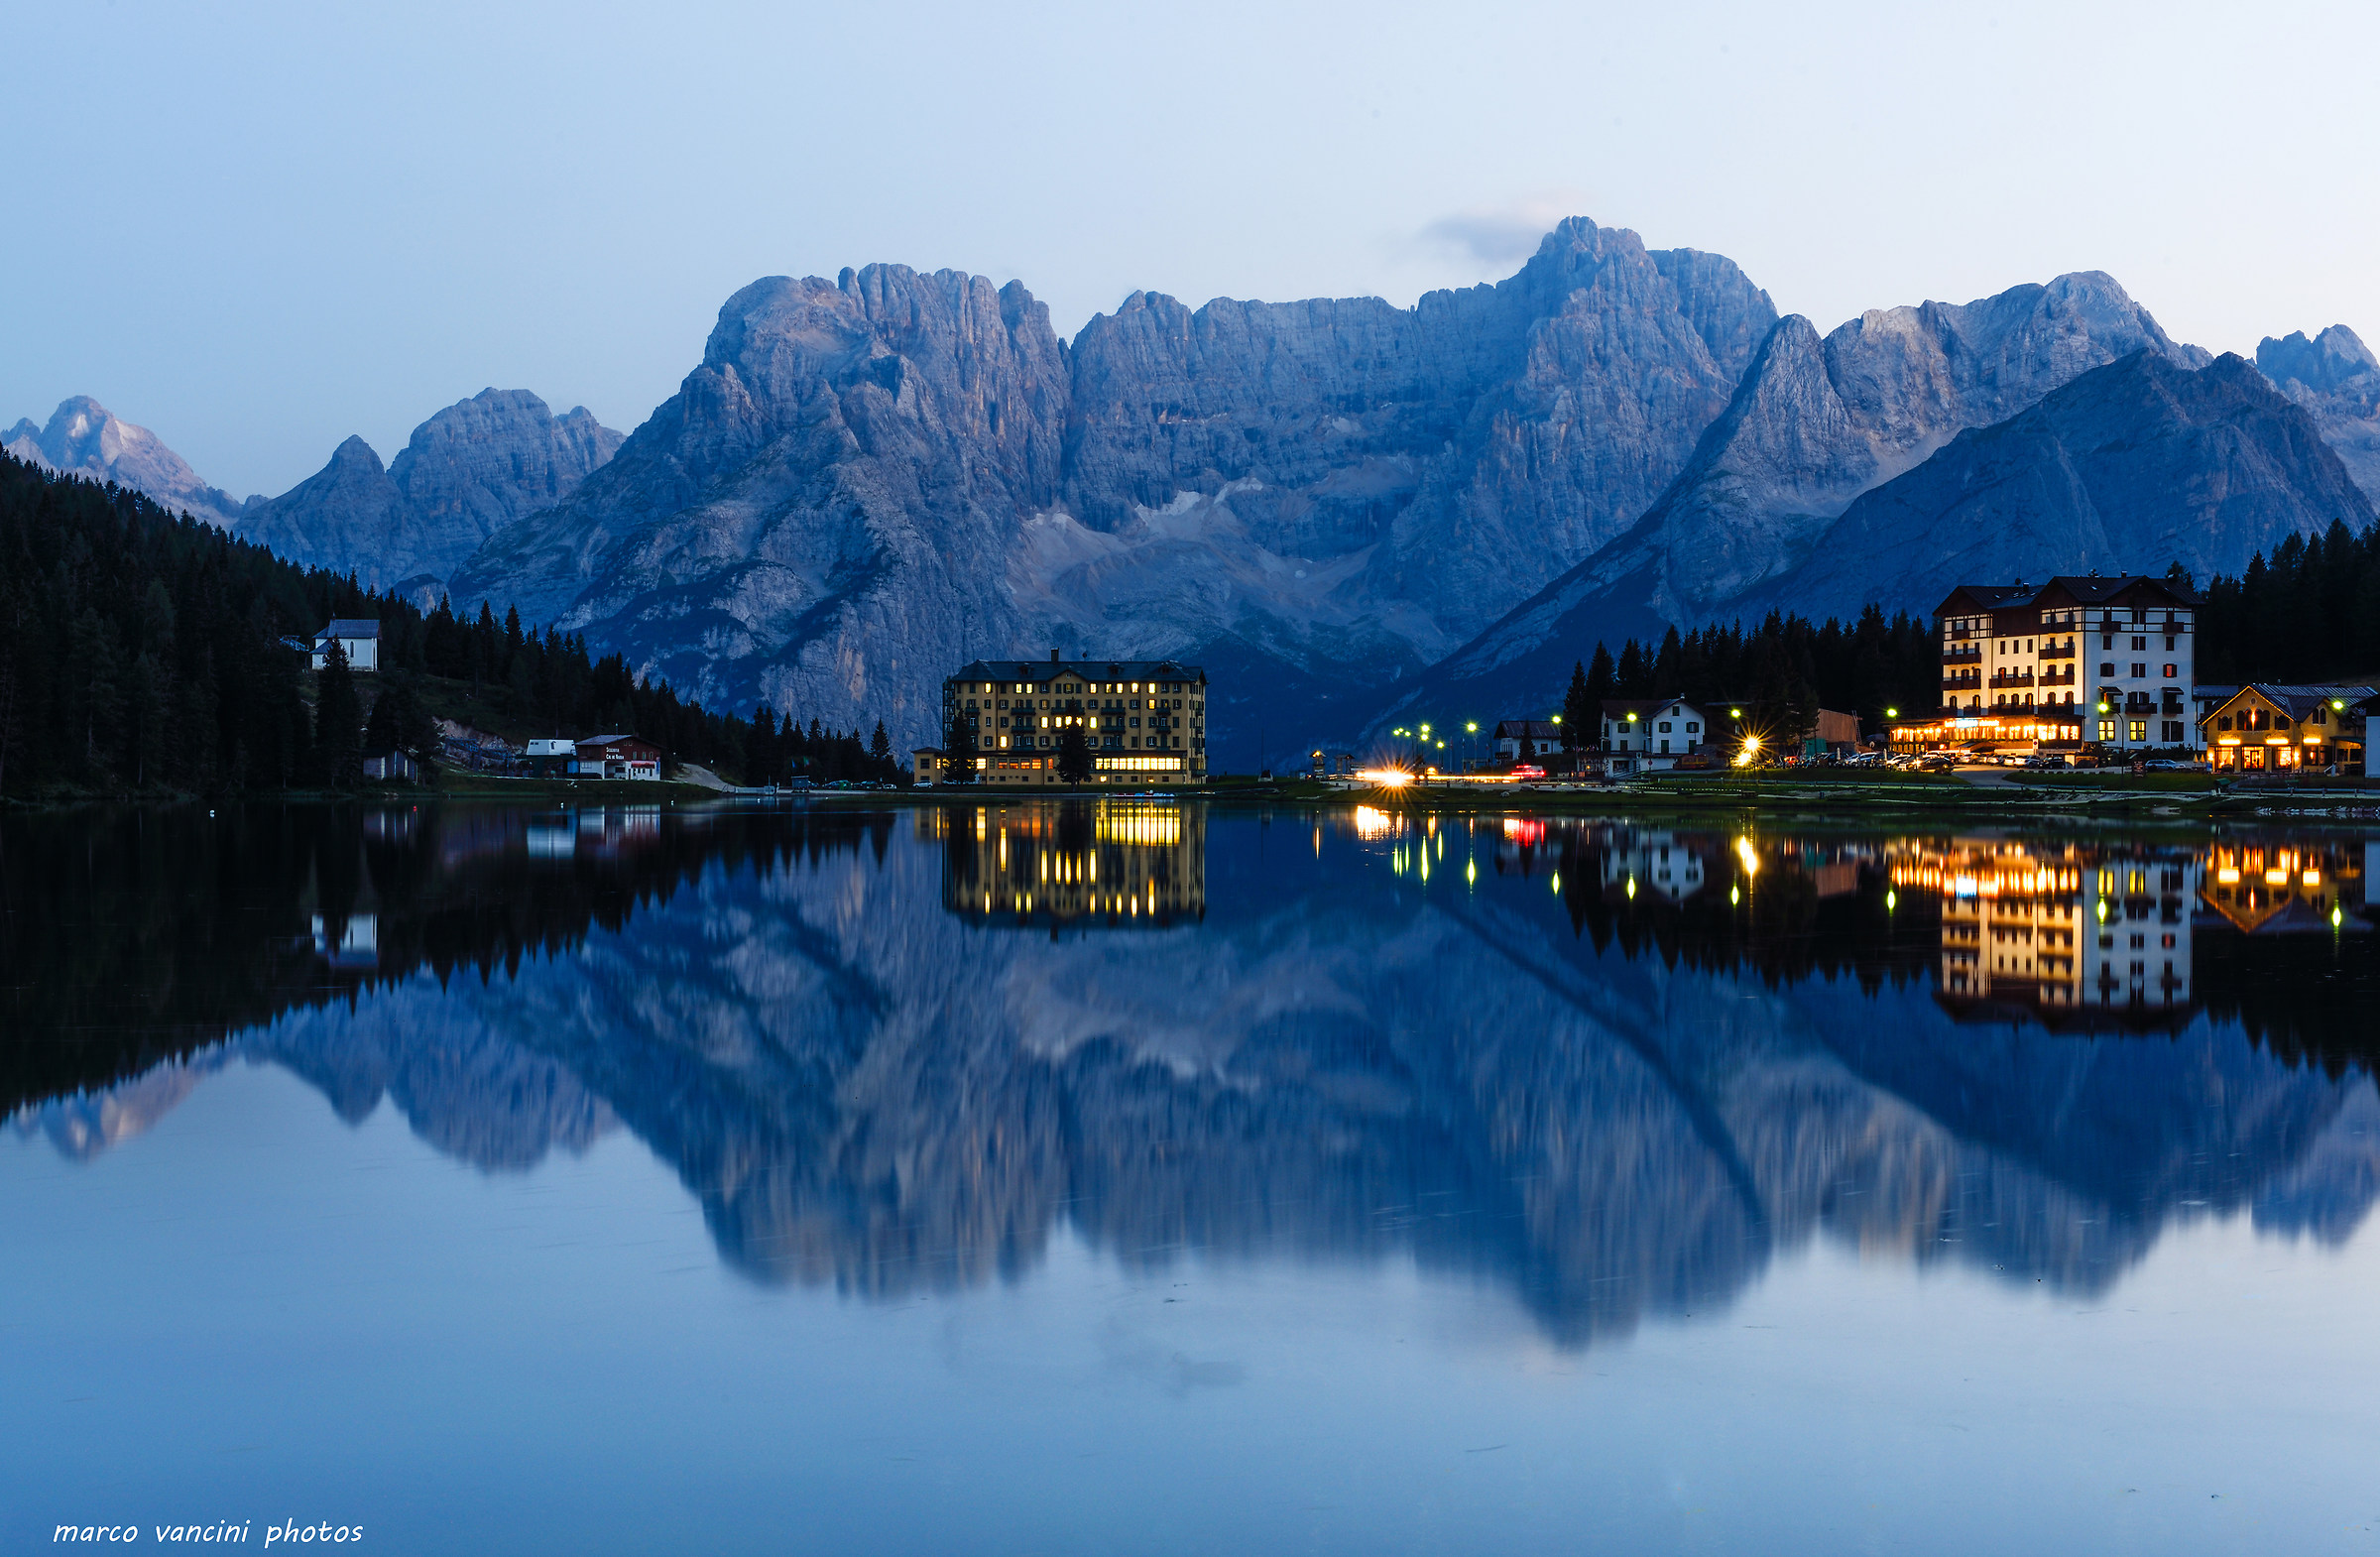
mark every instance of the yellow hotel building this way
{"type": "Point", "coordinates": [1146, 720]}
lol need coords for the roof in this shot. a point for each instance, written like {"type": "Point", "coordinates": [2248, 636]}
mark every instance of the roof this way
{"type": "Point", "coordinates": [2083, 589]}
{"type": "Point", "coordinates": [583, 742]}
{"type": "Point", "coordinates": [2298, 699]}
{"type": "Point", "coordinates": [350, 627]}
{"type": "Point", "coordinates": [1535, 729]}
{"type": "Point", "coordinates": [1086, 670]}
{"type": "Point", "coordinates": [1621, 707]}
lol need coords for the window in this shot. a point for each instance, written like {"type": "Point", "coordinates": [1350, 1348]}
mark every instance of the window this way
{"type": "Point", "coordinates": [2140, 642]}
{"type": "Point", "coordinates": [2108, 667]}
{"type": "Point", "coordinates": [1692, 727]}
{"type": "Point", "coordinates": [2168, 643]}
{"type": "Point", "coordinates": [2223, 722]}
{"type": "Point", "coordinates": [2107, 640]}
{"type": "Point", "coordinates": [2140, 672]}
{"type": "Point", "coordinates": [2139, 729]}
{"type": "Point", "coordinates": [1665, 731]}
{"type": "Point", "coordinates": [2172, 672]}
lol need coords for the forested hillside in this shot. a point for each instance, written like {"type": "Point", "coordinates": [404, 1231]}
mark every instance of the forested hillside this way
{"type": "Point", "coordinates": [1785, 668]}
{"type": "Point", "coordinates": [2309, 613]}
{"type": "Point", "coordinates": [141, 652]}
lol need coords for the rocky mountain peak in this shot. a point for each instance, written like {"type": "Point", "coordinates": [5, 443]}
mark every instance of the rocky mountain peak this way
{"type": "Point", "coordinates": [85, 438]}
{"type": "Point", "coordinates": [474, 467]}
{"type": "Point", "coordinates": [2323, 363]}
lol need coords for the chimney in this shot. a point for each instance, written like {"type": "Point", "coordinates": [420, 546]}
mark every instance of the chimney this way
{"type": "Point", "coordinates": [1053, 657]}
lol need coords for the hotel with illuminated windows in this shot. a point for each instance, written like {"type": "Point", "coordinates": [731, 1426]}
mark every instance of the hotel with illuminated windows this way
{"type": "Point", "coordinates": [2081, 660]}
{"type": "Point", "coordinates": [1146, 720]}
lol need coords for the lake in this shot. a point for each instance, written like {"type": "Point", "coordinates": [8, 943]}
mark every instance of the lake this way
{"type": "Point", "coordinates": [1152, 1176]}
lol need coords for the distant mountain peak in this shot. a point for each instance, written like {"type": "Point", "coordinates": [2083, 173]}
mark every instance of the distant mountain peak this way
{"type": "Point", "coordinates": [85, 438]}
{"type": "Point", "coordinates": [2323, 363]}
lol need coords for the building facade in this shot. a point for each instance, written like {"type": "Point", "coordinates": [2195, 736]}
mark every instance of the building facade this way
{"type": "Point", "coordinates": [617, 757]}
{"type": "Point", "coordinates": [1651, 733]}
{"type": "Point", "coordinates": [358, 638]}
{"type": "Point", "coordinates": [2268, 728]}
{"type": "Point", "coordinates": [1525, 740]}
{"type": "Point", "coordinates": [1145, 719]}
{"type": "Point", "coordinates": [2075, 660]}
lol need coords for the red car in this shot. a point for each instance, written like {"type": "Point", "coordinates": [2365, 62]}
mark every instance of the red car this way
{"type": "Point", "coordinates": [1527, 770]}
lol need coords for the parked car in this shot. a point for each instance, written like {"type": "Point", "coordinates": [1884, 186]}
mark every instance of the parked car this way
{"type": "Point", "coordinates": [2167, 765]}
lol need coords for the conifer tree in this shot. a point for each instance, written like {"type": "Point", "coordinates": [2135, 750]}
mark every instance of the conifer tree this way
{"type": "Point", "coordinates": [338, 723]}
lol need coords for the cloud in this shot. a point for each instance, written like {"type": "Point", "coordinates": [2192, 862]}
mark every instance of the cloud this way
{"type": "Point", "coordinates": [1503, 234]}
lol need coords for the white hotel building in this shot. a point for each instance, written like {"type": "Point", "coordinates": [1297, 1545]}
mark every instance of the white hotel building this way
{"type": "Point", "coordinates": [2074, 660]}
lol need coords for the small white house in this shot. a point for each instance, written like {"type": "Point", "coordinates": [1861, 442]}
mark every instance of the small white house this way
{"type": "Point", "coordinates": [357, 637]}
{"type": "Point", "coordinates": [1652, 733]}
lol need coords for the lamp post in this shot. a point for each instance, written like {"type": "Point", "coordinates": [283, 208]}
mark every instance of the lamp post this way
{"type": "Point", "coordinates": [1471, 728]}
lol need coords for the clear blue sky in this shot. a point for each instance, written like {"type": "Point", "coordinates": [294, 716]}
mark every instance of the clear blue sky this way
{"type": "Point", "coordinates": [256, 230]}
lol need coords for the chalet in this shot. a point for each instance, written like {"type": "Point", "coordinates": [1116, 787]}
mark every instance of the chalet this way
{"type": "Point", "coordinates": [1651, 733]}
{"type": "Point", "coordinates": [1525, 740]}
{"type": "Point", "coordinates": [358, 638]}
{"type": "Point", "coordinates": [616, 757]}
{"type": "Point", "coordinates": [2266, 727]}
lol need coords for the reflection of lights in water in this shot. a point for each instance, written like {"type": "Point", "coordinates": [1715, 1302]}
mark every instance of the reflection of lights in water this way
{"type": "Point", "coordinates": [1892, 899]}
{"type": "Point", "coordinates": [1631, 887]}
{"type": "Point", "coordinates": [2314, 878]}
{"type": "Point", "coordinates": [2228, 876]}
{"type": "Point", "coordinates": [1743, 852]}
{"type": "Point", "coordinates": [1735, 893]}
{"type": "Point", "coordinates": [1471, 871]}
{"type": "Point", "coordinates": [1373, 823]}
{"type": "Point", "coordinates": [1557, 881]}
{"type": "Point", "coordinates": [1963, 887]}
{"type": "Point", "coordinates": [1386, 778]}
{"type": "Point", "coordinates": [1156, 826]}
{"type": "Point", "coordinates": [1524, 829]}
{"type": "Point", "coordinates": [2276, 877]}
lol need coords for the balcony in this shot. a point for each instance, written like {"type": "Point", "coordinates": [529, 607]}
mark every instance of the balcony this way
{"type": "Point", "coordinates": [1962, 683]}
{"type": "Point", "coordinates": [2064, 677]}
{"type": "Point", "coordinates": [2011, 679]}
{"type": "Point", "coordinates": [2065, 650]}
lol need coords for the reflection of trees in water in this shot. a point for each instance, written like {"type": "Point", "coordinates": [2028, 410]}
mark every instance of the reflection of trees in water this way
{"type": "Point", "coordinates": [1614, 1106]}
{"type": "Point", "coordinates": [137, 935]}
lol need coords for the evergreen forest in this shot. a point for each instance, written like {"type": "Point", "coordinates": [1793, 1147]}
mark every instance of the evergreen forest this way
{"type": "Point", "coordinates": [141, 652]}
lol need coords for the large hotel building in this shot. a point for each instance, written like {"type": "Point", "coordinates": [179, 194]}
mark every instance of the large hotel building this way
{"type": "Point", "coordinates": [1146, 720]}
{"type": "Point", "coordinates": [2071, 660]}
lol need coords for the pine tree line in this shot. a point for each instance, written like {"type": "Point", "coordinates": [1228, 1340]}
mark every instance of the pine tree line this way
{"type": "Point", "coordinates": [2309, 613]}
{"type": "Point", "coordinates": [144, 652]}
{"type": "Point", "coordinates": [1782, 671]}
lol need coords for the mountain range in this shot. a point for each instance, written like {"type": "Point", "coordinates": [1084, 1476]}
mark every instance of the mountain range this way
{"type": "Point", "coordinates": [1346, 509]}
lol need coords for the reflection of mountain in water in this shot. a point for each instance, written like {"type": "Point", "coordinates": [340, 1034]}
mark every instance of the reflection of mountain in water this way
{"type": "Point", "coordinates": [865, 1084]}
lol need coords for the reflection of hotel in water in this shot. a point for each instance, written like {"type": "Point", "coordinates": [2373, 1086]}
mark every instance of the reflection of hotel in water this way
{"type": "Point", "coordinates": [2068, 933]}
{"type": "Point", "coordinates": [2272, 885]}
{"type": "Point", "coordinates": [1112, 864]}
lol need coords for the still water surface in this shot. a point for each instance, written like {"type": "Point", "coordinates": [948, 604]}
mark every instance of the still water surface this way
{"type": "Point", "coordinates": [1138, 1177]}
